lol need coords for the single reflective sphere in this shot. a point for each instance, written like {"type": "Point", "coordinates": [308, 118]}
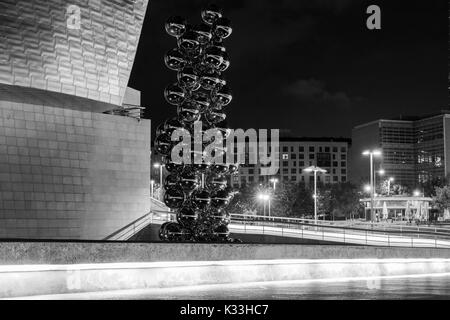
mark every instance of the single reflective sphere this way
{"type": "Point", "coordinates": [174, 198]}
{"type": "Point", "coordinates": [201, 100]}
{"type": "Point", "coordinates": [219, 216]}
{"type": "Point", "coordinates": [225, 62]}
{"type": "Point", "coordinates": [219, 169]}
{"type": "Point", "coordinates": [188, 42]}
{"type": "Point", "coordinates": [163, 144]}
{"type": "Point", "coordinates": [171, 181]}
{"type": "Point", "coordinates": [188, 114]}
{"type": "Point", "coordinates": [210, 80]}
{"type": "Point", "coordinates": [176, 26]}
{"type": "Point", "coordinates": [187, 78]}
{"type": "Point", "coordinates": [172, 123]}
{"type": "Point", "coordinates": [211, 13]}
{"type": "Point", "coordinates": [216, 182]}
{"type": "Point", "coordinates": [213, 57]}
{"type": "Point", "coordinates": [222, 28]}
{"type": "Point", "coordinates": [174, 59]}
{"type": "Point", "coordinates": [189, 180]}
{"type": "Point", "coordinates": [223, 96]}
{"type": "Point", "coordinates": [171, 232]}
{"type": "Point", "coordinates": [187, 216]}
{"type": "Point", "coordinates": [174, 94]}
{"type": "Point", "coordinates": [214, 116]}
{"type": "Point", "coordinates": [174, 167]}
{"type": "Point", "coordinates": [221, 232]}
{"type": "Point", "coordinates": [201, 199]}
{"type": "Point", "coordinates": [220, 199]}
{"type": "Point", "coordinates": [203, 32]}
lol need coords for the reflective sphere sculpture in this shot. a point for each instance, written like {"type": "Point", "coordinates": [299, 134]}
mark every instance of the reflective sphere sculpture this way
{"type": "Point", "coordinates": [197, 186]}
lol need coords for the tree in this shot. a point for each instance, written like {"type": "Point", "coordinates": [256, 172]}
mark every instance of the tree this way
{"type": "Point", "coordinates": [340, 200]}
{"type": "Point", "coordinates": [442, 198]}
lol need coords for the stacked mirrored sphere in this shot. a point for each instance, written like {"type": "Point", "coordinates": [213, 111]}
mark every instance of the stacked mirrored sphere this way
{"type": "Point", "coordinates": [197, 190]}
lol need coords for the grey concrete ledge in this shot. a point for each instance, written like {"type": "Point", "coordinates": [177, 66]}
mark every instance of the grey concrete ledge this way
{"type": "Point", "coordinates": [13, 253]}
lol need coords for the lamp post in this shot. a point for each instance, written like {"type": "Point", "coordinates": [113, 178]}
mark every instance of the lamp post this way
{"type": "Point", "coordinates": [152, 182]}
{"type": "Point", "coordinates": [265, 197]}
{"type": "Point", "coordinates": [160, 167]}
{"type": "Point", "coordinates": [391, 179]}
{"type": "Point", "coordinates": [381, 172]}
{"type": "Point", "coordinates": [274, 181]}
{"type": "Point", "coordinates": [371, 154]}
{"type": "Point", "coordinates": [315, 170]}
{"type": "Point", "coordinates": [367, 189]}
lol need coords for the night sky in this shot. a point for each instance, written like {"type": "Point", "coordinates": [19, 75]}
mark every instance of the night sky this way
{"type": "Point", "coordinates": [311, 66]}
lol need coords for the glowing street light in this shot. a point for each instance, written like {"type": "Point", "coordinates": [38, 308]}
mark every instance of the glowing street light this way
{"type": "Point", "coordinates": [274, 181]}
{"type": "Point", "coordinates": [152, 182]}
{"type": "Point", "coordinates": [371, 154]}
{"type": "Point", "coordinates": [391, 179]}
{"type": "Point", "coordinates": [264, 197]}
{"type": "Point", "coordinates": [416, 193]}
{"type": "Point", "coordinates": [160, 166]}
{"type": "Point", "coordinates": [315, 170]}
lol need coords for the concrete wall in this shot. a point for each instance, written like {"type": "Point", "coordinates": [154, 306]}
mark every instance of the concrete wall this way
{"type": "Point", "coordinates": [68, 174]}
{"type": "Point", "coordinates": [45, 268]}
{"type": "Point", "coordinates": [19, 253]}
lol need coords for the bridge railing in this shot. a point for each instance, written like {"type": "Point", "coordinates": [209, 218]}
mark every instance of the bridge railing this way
{"type": "Point", "coordinates": [342, 235]}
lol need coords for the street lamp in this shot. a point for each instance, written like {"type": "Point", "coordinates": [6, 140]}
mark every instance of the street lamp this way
{"type": "Point", "coordinates": [152, 182]}
{"type": "Point", "coordinates": [381, 172]}
{"type": "Point", "coordinates": [391, 179]}
{"type": "Point", "coordinates": [264, 197]}
{"type": "Point", "coordinates": [160, 166]}
{"type": "Point", "coordinates": [416, 193]}
{"type": "Point", "coordinates": [274, 181]}
{"type": "Point", "coordinates": [315, 170]}
{"type": "Point", "coordinates": [371, 154]}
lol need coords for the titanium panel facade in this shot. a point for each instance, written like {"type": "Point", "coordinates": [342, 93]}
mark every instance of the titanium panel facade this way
{"type": "Point", "coordinates": [41, 49]}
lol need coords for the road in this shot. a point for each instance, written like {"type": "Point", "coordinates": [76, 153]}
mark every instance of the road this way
{"type": "Point", "coordinates": [391, 288]}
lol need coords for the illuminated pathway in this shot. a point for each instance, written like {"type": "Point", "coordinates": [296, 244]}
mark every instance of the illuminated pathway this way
{"type": "Point", "coordinates": [397, 287]}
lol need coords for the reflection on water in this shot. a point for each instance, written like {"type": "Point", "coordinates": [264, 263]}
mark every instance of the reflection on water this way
{"type": "Point", "coordinates": [397, 288]}
{"type": "Point", "coordinates": [427, 287]}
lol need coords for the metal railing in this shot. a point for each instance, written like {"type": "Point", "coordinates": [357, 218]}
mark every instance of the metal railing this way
{"type": "Point", "coordinates": [367, 234]}
{"type": "Point", "coordinates": [248, 224]}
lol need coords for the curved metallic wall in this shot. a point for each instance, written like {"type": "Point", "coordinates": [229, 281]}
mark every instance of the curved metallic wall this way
{"type": "Point", "coordinates": [39, 49]}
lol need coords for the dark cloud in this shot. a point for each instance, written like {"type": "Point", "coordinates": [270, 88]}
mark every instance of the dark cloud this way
{"type": "Point", "coordinates": [314, 92]}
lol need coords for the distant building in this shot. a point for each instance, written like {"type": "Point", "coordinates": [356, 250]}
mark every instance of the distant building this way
{"type": "Point", "coordinates": [295, 154]}
{"type": "Point", "coordinates": [414, 150]}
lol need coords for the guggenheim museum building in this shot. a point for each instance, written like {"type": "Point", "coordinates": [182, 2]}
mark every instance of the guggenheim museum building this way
{"type": "Point", "coordinates": [72, 166]}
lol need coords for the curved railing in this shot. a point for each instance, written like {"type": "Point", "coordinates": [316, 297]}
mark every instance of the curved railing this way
{"type": "Point", "coordinates": [353, 232]}
{"type": "Point", "coordinates": [351, 235]}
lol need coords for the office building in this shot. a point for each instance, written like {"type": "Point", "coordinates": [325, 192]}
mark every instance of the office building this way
{"type": "Point", "coordinates": [414, 150]}
{"type": "Point", "coordinates": [295, 154]}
